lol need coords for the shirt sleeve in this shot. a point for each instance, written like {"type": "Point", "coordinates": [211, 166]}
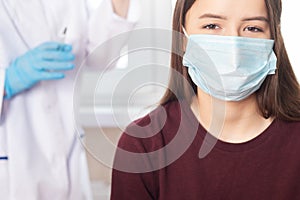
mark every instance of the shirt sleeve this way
{"type": "Point", "coordinates": [104, 25]}
{"type": "Point", "coordinates": [133, 186]}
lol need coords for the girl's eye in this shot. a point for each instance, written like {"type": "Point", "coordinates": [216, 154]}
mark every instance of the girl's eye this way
{"type": "Point", "coordinates": [253, 29]}
{"type": "Point", "coordinates": [211, 26]}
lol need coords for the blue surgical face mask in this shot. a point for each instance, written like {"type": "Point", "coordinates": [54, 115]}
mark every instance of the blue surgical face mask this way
{"type": "Point", "coordinates": [229, 68]}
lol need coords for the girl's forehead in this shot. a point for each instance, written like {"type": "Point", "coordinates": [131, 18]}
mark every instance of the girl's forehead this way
{"type": "Point", "coordinates": [229, 8]}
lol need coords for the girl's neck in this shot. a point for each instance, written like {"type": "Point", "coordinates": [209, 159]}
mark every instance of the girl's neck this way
{"type": "Point", "coordinates": [233, 122]}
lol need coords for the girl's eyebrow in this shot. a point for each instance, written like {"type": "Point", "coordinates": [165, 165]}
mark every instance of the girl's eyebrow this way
{"type": "Point", "coordinates": [215, 16]}
{"type": "Point", "coordinates": [210, 15]}
{"type": "Point", "coordinates": [257, 18]}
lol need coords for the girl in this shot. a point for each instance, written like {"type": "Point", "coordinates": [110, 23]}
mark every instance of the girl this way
{"type": "Point", "coordinates": [235, 108]}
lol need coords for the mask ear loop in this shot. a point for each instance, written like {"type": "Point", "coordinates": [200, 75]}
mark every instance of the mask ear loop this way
{"type": "Point", "coordinates": [184, 31]}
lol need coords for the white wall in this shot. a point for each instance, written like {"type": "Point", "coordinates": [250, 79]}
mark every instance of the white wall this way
{"type": "Point", "coordinates": [290, 30]}
{"type": "Point", "coordinates": [154, 14]}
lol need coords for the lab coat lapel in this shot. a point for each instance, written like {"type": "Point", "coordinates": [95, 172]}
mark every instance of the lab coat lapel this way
{"type": "Point", "coordinates": [29, 20]}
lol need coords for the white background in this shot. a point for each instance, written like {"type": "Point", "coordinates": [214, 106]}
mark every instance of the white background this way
{"type": "Point", "coordinates": [290, 29]}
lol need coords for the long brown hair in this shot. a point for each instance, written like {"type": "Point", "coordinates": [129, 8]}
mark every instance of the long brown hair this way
{"type": "Point", "coordinates": [278, 97]}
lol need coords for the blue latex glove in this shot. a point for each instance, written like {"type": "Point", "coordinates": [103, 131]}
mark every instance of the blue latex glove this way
{"type": "Point", "coordinates": [45, 62]}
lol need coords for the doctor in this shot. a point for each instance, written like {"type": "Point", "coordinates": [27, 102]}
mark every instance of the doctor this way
{"type": "Point", "coordinates": [42, 43]}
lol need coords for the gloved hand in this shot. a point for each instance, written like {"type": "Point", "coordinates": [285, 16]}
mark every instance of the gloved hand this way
{"type": "Point", "coordinates": [44, 62]}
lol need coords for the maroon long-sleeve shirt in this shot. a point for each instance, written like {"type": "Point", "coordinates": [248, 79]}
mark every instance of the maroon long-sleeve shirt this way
{"type": "Point", "coordinates": [264, 168]}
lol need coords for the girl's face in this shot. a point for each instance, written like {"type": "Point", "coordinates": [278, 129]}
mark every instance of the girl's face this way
{"type": "Point", "coordinates": [245, 18]}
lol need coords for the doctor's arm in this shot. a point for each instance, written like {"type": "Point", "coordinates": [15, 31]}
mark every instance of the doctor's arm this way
{"type": "Point", "coordinates": [110, 19]}
{"type": "Point", "coordinates": [121, 7]}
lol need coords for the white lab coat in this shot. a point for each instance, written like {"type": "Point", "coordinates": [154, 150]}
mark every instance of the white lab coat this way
{"type": "Point", "coordinates": [45, 156]}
